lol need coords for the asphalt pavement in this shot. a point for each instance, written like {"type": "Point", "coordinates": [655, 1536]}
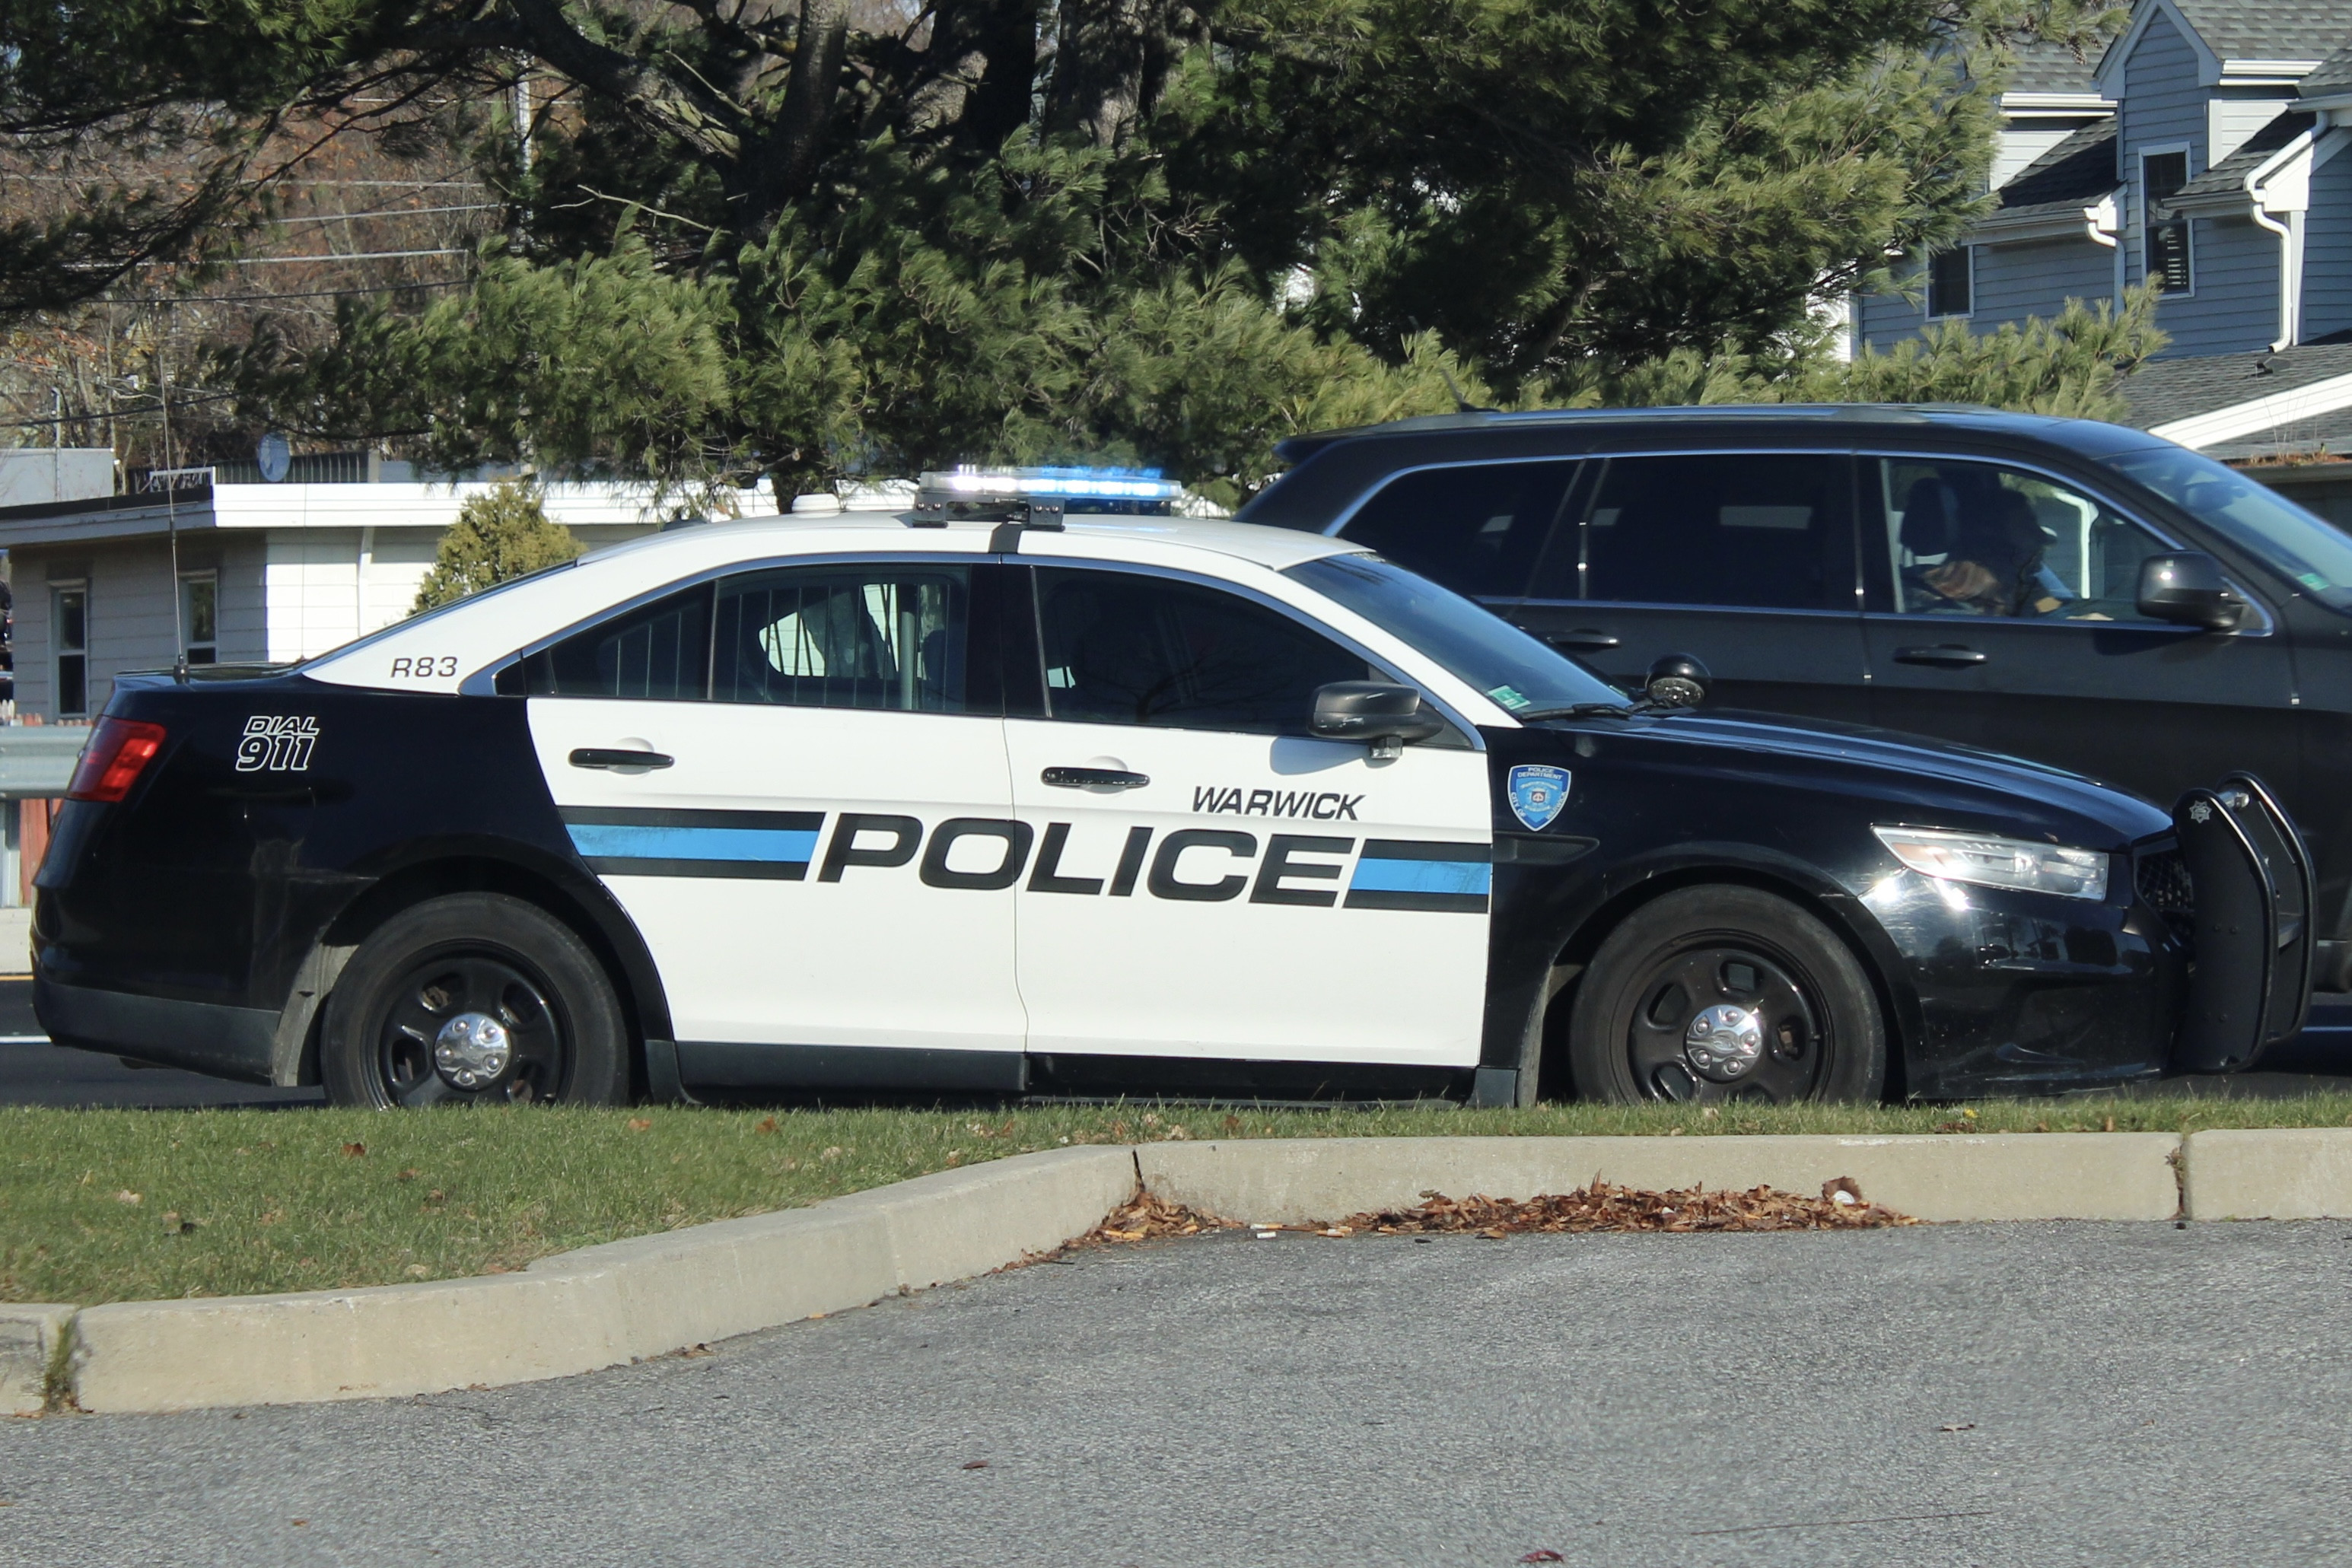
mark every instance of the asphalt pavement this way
{"type": "Point", "coordinates": [1956, 1395]}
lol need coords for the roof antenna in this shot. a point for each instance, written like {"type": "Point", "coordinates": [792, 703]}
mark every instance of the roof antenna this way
{"type": "Point", "coordinates": [171, 518]}
{"type": "Point", "coordinates": [1461, 405]}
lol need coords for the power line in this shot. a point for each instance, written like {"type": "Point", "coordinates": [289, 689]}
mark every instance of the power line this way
{"type": "Point", "coordinates": [95, 416]}
{"type": "Point", "coordinates": [358, 256]}
{"type": "Point", "coordinates": [389, 213]}
{"type": "Point", "coordinates": [289, 294]}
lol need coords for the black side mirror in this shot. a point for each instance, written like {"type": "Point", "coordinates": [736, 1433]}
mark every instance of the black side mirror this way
{"type": "Point", "coordinates": [2185, 587]}
{"type": "Point", "coordinates": [1381, 716]}
{"type": "Point", "coordinates": [1677, 680]}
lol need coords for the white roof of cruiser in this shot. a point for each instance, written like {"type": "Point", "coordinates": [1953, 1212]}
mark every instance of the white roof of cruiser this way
{"type": "Point", "coordinates": [440, 651]}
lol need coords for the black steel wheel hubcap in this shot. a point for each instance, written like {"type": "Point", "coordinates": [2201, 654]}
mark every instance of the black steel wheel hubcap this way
{"type": "Point", "coordinates": [1717, 1019]}
{"type": "Point", "coordinates": [472, 1027]}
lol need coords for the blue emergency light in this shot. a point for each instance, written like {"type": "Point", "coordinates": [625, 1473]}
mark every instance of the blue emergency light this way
{"type": "Point", "coordinates": [1040, 496]}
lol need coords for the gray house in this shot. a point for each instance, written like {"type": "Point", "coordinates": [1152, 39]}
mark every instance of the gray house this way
{"type": "Point", "coordinates": [2204, 150]}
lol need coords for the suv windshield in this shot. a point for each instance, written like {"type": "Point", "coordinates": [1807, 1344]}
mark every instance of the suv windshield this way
{"type": "Point", "coordinates": [1489, 653]}
{"type": "Point", "coordinates": [2250, 514]}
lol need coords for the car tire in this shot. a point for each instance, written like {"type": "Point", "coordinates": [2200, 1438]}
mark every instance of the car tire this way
{"type": "Point", "coordinates": [474, 997]}
{"type": "Point", "coordinates": [1725, 994]}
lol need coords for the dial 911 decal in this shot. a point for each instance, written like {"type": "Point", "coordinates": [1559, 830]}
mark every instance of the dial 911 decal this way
{"type": "Point", "coordinates": [277, 743]}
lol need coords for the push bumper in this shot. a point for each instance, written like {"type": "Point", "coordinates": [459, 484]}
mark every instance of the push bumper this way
{"type": "Point", "coordinates": [2250, 984]}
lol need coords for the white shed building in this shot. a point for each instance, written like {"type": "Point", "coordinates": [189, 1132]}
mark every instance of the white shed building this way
{"type": "Point", "coordinates": [268, 573]}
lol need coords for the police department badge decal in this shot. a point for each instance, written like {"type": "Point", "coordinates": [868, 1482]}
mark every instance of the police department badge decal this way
{"type": "Point", "coordinates": [1537, 794]}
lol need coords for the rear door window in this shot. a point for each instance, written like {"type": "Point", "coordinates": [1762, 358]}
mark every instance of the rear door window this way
{"type": "Point", "coordinates": [859, 636]}
{"type": "Point", "coordinates": [1754, 530]}
{"type": "Point", "coordinates": [1477, 528]}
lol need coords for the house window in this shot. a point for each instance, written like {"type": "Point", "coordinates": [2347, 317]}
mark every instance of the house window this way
{"type": "Point", "coordinates": [199, 617]}
{"type": "Point", "coordinates": [70, 631]}
{"type": "Point", "coordinates": [1951, 279]}
{"type": "Point", "coordinates": [2162, 175]}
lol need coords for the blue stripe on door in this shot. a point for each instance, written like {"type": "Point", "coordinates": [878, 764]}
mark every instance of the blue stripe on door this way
{"type": "Point", "coordinates": [610, 841]}
{"type": "Point", "coordinates": [1419, 874]}
{"type": "Point", "coordinates": [774, 846]}
{"type": "Point", "coordinates": [1423, 877]}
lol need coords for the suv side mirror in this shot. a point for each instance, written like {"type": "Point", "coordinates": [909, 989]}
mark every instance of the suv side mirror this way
{"type": "Point", "coordinates": [2185, 587]}
{"type": "Point", "coordinates": [1381, 716]}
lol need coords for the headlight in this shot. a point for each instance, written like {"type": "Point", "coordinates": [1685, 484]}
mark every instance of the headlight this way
{"type": "Point", "coordinates": [1990, 861]}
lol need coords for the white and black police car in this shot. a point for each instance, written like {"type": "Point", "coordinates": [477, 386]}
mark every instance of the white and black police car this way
{"type": "Point", "coordinates": [1001, 797]}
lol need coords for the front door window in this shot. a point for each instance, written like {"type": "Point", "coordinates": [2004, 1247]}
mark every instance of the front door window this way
{"type": "Point", "coordinates": [1980, 538]}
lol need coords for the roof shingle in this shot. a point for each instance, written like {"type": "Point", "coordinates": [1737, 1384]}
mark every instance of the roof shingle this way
{"type": "Point", "coordinates": [2075, 174]}
{"type": "Point", "coordinates": [2270, 29]}
{"type": "Point", "coordinates": [2230, 174]}
{"type": "Point", "coordinates": [2050, 67]}
{"type": "Point", "coordinates": [2162, 390]}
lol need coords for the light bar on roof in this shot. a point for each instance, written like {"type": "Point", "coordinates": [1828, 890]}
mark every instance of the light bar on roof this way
{"type": "Point", "coordinates": [972, 484]}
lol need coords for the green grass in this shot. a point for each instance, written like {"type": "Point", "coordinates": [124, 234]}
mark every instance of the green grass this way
{"type": "Point", "coordinates": [100, 1205]}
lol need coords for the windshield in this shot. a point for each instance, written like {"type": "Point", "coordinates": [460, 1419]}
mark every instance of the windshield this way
{"type": "Point", "coordinates": [2252, 515]}
{"type": "Point", "coordinates": [1489, 653]}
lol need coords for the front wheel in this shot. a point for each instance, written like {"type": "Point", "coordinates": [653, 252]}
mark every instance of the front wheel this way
{"type": "Point", "coordinates": [1716, 994]}
{"type": "Point", "coordinates": [475, 997]}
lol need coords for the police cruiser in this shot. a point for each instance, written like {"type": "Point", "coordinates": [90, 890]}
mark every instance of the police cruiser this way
{"type": "Point", "coordinates": [1004, 795]}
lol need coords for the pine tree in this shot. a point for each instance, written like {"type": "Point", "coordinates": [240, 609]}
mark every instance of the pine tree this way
{"type": "Point", "coordinates": [501, 534]}
{"type": "Point", "coordinates": [802, 241]}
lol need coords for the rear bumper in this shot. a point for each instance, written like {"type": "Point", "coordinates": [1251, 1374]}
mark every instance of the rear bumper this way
{"type": "Point", "coordinates": [204, 1037]}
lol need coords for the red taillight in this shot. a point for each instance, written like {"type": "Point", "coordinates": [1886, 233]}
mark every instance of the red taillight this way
{"type": "Point", "coordinates": [118, 750]}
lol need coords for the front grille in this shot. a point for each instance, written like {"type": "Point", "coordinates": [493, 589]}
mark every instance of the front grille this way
{"type": "Point", "coordinates": [2162, 879]}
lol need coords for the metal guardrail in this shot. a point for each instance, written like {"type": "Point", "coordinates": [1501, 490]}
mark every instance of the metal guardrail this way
{"type": "Point", "coordinates": [36, 761]}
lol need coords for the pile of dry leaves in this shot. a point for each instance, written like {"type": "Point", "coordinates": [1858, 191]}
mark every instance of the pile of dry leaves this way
{"type": "Point", "coordinates": [1600, 1207]}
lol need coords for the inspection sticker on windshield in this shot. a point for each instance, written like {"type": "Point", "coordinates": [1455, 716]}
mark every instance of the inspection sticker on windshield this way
{"type": "Point", "coordinates": [1509, 697]}
{"type": "Point", "coordinates": [1537, 794]}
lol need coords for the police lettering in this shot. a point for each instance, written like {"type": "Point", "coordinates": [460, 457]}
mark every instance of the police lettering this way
{"type": "Point", "coordinates": [1324, 806]}
{"type": "Point", "coordinates": [987, 855]}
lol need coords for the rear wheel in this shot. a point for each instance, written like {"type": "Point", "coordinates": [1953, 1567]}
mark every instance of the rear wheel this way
{"type": "Point", "coordinates": [474, 997]}
{"type": "Point", "coordinates": [1724, 993]}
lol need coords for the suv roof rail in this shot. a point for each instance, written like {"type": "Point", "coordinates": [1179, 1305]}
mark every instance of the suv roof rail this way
{"type": "Point", "coordinates": [1299, 447]}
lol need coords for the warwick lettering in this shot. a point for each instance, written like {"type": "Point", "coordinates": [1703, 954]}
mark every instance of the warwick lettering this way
{"type": "Point", "coordinates": [1324, 807]}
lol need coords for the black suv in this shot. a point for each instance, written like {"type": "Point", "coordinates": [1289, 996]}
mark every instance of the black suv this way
{"type": "Point", "coordinates": [2077, 593]}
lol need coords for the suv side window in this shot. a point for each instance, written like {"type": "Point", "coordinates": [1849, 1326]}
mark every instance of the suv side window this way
{"type": "Point", "coordinates": [855, 636]}
{"type": "Point", "coordinates": [1980, 538]}
{"type": "Point", "coordinates": [1125, 648]}
{"type": "Point", "coordinates": [660, 651]}
{"type": "Point", "coordinates": [1750, 530]}
{"type": "Point", "coordinates": [1477, 528]}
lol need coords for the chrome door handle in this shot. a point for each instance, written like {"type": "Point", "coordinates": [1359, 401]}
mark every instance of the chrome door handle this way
{"type": "Point", "coordinates": [1584, 639]}
{"type": "Point", "coordinates": [1949, 654]}
{"type": "Point", "coordinates": [619, 756]}
{"type": "Point", "coordinates": [1093, 779]}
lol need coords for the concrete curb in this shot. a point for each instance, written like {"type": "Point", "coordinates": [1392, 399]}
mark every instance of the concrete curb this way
{"type": "Point", "coordinates": [33, 1338]}
{"type": "Point", "coordinates": [2001, 1175]}
{"type": "Point", "coordinates": [597, 1307]}
{"type": "Point", "coordinates": [629, 1300]}
{"type": "Point", "coordinates": [2274, 1173]}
